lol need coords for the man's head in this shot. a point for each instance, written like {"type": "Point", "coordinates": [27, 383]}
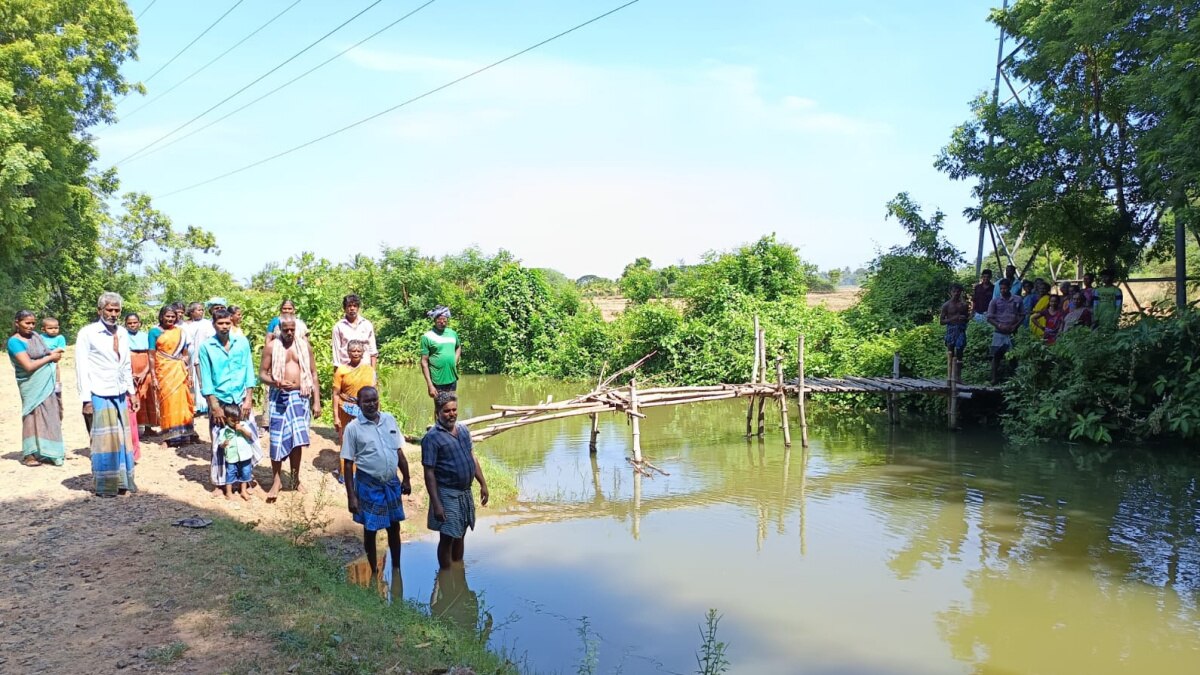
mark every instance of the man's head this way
{"type": "Point", "coordinates": [133, 322]}
{"type": "Point", "coordinates": [1010, 272]}
{"type": "Point", "coordinates": [233, 414]}
{"type": "Point", "coordinates": [1089, 279]}
{"type": "Point", "coordinates": [109, 306]}
{"type": "Point", "coordinates": [287, 330]}
{"type": "Point", "coordinates": [956, 291]}
{"type": "Point", "coordinates": [354, 350]}
{"type": "Point", "coordinates": [446, 407]}
{"type": "Point", "coordinates": [985, 276]}
{"type": "Point", "coordinates": [50, 326]}
{"type": "Point", "coordinates": [195, 311]}
{"type": "Point", "coordinates": [25, 321]}
{"type": "Point", "coordinates": [167, 316]}
{"type": "Point", "coordinates": [440, 316]}
{"type": "Point", "coordinates": [1107, 276]}
{"type": "Point", "coordinates": [1005, 288]}
{"type": "Point", "coordinates": [368, 402]}
{"type": "Point", "coordinates": [222, 323]}
{"type": "Point", "coordinates": [214, 304]}
{"type": "Point", "coordinates": [1027, 287]}
{"type": "Point", "coordinates": [351, 305]}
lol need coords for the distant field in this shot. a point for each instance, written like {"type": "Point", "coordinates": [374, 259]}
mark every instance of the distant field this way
{"type": "Point", "coordinates": [839, 300]}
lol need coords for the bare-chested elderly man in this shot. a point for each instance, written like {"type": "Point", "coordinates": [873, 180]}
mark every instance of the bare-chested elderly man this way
{"type": "Point", "coordinates": [289, 367]}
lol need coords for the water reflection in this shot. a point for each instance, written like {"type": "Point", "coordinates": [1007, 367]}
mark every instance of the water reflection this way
{"type": "Point", "coordinates": [453, 600]}
{"type": "Point", "coordinates": [879, 549]}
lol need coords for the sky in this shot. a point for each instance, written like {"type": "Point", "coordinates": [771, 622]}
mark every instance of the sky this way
{"type": "Point", "coordinates": [668, 129]}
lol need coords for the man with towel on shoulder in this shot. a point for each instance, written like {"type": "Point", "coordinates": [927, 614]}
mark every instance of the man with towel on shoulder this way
{"type": "Point", "coordinates": [289, 367]}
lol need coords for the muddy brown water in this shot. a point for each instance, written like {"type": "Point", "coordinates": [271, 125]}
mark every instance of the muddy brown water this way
{"type": "Point", "coordinates": [879, 550]}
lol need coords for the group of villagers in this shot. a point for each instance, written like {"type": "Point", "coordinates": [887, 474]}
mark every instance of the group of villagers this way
{"type": "Point", "coordinates": [197, 362]}
{"type": "Point", "coordinates": [1035, 305]}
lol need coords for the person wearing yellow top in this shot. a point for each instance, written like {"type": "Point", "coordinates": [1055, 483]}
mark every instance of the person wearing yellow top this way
{"type": "Point", "coordinates": [347, 381]}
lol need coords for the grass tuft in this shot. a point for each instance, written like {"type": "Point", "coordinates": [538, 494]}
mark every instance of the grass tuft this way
{"type": "Point", "coordinates": [167, 654]}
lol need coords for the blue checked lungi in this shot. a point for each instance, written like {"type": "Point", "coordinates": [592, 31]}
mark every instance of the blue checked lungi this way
{"type": "Point", "coordinates": [111, 449]}
{"type": "Point", "coordinates": [289, 423]}
{"type": "Point", "coordinates": [218, 471]}
{"type": "Point", "coordinates": [379, 504]}
{"type": "Point", "coordinates": [956, 337]}
{"type": "Point", "coordinates": [460, 512]}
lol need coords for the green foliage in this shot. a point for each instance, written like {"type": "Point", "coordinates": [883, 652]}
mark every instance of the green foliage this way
{"type": "Point", "coordinates": [1141, 383]}
{"type": "Point", "coordinates": [711, 658]}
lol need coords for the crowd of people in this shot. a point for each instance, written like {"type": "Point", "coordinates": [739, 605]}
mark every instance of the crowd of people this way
{"type": "Point", "coordinates": [197, 362]}
{"type": "Point", "coordinates": [1011, 305]}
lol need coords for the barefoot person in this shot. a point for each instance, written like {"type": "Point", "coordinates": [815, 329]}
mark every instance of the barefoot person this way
{"type": "Point", "coordinates": [348, 380]}
{"type": "Point", "coordinates": [289, 367]}
{"type": "Point", "coordinates": [143, 373]}
{"type": "Point", "coordinates": [169, 360]}
{"type": "Point", "coordinates": [449, 462]}
{"type": "Point", "coordinates": [36, 367]}
{"type": "Point", "coordinates": [239, 448]}
{"type": "Point", "coordinates": [954, 316]}
{"type": "Point", "coordinates": [226, 378]}
{"type": "Point", "coordinates": [105, 381]}
{"type": "Point", "coordinates": [373, 449]}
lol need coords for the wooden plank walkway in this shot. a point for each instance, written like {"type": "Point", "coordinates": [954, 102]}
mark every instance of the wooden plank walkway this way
{"type": "Point", "coordinates": [884, 385]}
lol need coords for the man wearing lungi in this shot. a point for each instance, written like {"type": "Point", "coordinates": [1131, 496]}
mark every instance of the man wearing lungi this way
{"type": "Point", "coordinates": [373, 448]}
{"type": "Point", "coordinates": [449, 462]}
{"type": "Point", "coordinates": [226, 378]}
{"type": "Point", "coordinates": [105, 379]}
{"type": "Point", "coordinates": [289, 367]}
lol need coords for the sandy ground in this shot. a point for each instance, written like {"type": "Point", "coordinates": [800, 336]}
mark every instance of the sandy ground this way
{"type": "Point", "coordinates": [76, 567]}
{"type": "Point", "coordinates": [837, 301]}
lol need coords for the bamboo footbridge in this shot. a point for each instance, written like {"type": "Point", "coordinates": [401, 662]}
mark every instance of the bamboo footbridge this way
{"type": "Point", "coordinates": [629, 400]}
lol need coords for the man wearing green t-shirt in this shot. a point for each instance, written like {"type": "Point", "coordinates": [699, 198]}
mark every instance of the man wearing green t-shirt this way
{"type": "Point", "coordinates": [440, 351]}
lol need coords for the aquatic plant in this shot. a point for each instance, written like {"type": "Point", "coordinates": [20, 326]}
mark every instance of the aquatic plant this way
{"type": "Point", "coordinates": [710, 660]}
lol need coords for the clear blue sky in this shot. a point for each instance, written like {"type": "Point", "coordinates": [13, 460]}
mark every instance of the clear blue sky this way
{"type": "Point", "coordinates": [669, 129]}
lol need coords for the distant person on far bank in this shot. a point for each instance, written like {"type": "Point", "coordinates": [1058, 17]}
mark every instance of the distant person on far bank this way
{"type": "Point", "coordinates": [954, 317]}
{"type": "Point", "coordinates": [1014, 284]}
{"type": "Point", "coordinates": [440, 352]}
{"type": "Point", "coordinates": [1107, 305]}
{"type": "Point", "coordinates": [353, 326]}
{"type": "Point", "coordinates": [373, 450]}
{"type": "Point", "coordinates": [105, 379]}
{"type": "Point", "coordinates": [981, 296]}
{"type": "Point", "coordinates": [448, 460]}
{"type": "Point", "coordinates": [1004, 313]}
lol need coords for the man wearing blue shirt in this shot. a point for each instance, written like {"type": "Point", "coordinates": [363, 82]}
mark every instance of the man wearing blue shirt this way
{"type": "Point", "coordinates": [449, 462]}
{"type": "Point", "coordinates": [226, 377]}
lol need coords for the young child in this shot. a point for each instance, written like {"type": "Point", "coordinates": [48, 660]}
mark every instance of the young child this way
{"type": "Point", "coordinates": [373, 448]}
{"type": "Point", "coordinates": [54, 339]}
{"type": "Point", "coordinates": [238, 442]}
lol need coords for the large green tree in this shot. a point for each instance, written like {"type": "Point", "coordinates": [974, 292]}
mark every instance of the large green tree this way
{"type": "Point", "coordinates": [1101, 143]}
{"type": "Point", "coordinates": [59, 71]}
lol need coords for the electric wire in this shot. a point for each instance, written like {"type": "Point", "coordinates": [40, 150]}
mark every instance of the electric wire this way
{"type": "Point", "coordinates": [245, 87]}
{"type": "Point", "coordinates": [402, 104]}
{"type": "Point", "coordinates": [201, 69]}
{"type": "Point", "coordinates": [144, 10]}
{"type": "Point", "coordinates": [194, 41]}
{"type": "Point", "coordinates": [290, 82]}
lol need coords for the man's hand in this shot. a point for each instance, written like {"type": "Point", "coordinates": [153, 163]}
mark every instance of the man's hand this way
{"type": "Point", "coordinates": [433, 392]}
{"type": "Point", "coordinates": [439, 513]}
{"type": "Point", "coordinates": [87, 408]}
{"type": "Point", "coordinates": [217, 415]}
{"type": "Point", "coordinates": [135, 402]}
{"type": "Point", "coordinates": [483, 495]}
{"type": "Point", "coordinates": [405, 487]}
{"type": "Point", "coordinates": [316, 408]}
{"type": "Point", "coordinates": [247, 410]}
{"type": "Point", "coordinates": [352, 504]}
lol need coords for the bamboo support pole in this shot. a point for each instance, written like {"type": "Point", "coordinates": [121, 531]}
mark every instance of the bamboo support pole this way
{"type": "Point", "coordinates": [801, 393]}
{"type": "Point", "coordinates": [762, 356]}
{"type": "Point", "coordinates": [893, 413]}
{"type": "Point", "coordinates": [787, 432]}
{"type": "Point", "coordinates": [952, 397]}
{"type": "Point", "coordinates": [753, 380]}
{"type": "Point", "coordinates": [633, 417]}
{"type": "Point", "coordinates": [762, 415]}
{"type": "Point", "coordinates": [592, 447]}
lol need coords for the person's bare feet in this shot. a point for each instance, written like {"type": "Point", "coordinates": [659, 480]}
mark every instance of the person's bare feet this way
{"type": "Point", "coordinates": [245, 496]}
{"type": "Point", "coordinates": [273, 493]}
{"type": "Point", "coordinates": [228, 497]}
{"type": "Point", "coordinates": [298, 487]}
{"type": "Point", "coordinates": [31, 461]}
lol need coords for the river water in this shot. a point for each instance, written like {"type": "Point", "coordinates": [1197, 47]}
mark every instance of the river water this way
{"type": "Point", "coordinates": [879, 550]}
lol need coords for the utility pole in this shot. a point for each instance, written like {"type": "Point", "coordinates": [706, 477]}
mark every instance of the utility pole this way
{"type": "Point", "coordinates": [983, 221]}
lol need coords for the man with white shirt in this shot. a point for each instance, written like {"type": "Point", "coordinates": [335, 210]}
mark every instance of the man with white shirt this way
{"type": "Point", "coordinates": [105, 379]}
{"type": "Point", "coordinates": [353, 326]}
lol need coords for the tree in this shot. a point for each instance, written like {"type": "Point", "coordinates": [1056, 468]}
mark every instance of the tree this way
{"type": "Point", "coordinates": [639, 282]}
{"type": "Point", "coordinates": [59, 70]}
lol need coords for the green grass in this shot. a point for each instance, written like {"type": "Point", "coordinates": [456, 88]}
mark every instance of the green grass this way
{"type": "Point", "coordinates": [502, 484]}
{"type": "Point", "coordinates": [299, 599]}
{"type": "Point", "coordinates": [167, 654]}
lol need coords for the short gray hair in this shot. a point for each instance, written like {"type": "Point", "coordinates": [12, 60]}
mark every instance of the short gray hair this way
{"type": "Point", "coordinates": [109, 298]}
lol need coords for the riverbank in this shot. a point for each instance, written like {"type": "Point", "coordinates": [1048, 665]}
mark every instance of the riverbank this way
{"type": "Point", "coordinates": [108, 584]}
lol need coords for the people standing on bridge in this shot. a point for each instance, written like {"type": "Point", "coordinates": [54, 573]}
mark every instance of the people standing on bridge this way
{"type": "Point", "coordinates": [105, 380]}
{"type": "Point", "coordinates": [36, 366]}
{"type": "Point", "coordinates": [1029, 298]}
{"type": "Point", "coordinates": [954, 317]}
{"type": "Point", "coordinates": [1089, 292]}
{"type": "Point", "coordinates": [1014, 284]}
{"type": "Point", "coordinates": [226, 378]}
{"type": "Point", "coordinates": [981, 296]}
{"type": "Point", "coordinates": [373, 450]}
{"type": "Point", "coordinates": [1080, 315]}
{"type": "Point", "coordinates": [353, 326]}
{"type": "Point", "coordinates": [1051, 319]}
{"type": "Point", "coordinates": [289, 366]}
{"type": "Point", "coordinates": [449, 464]}
{"type": "Point", "coordinates": [1107, 306]}
{"type": "Point", "coordinates": [1004, 314]}
{"type": "Point", "coordinates": [440, 352]}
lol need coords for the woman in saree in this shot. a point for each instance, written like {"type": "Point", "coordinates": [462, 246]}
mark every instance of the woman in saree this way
{"type": "Point", "coordinates": [347, 380]}
{"type": "Point", "coordinates": [41, 411]}
{"type": "Point", "coordinates": [172, 379]}
{"type": "Point", "coordinates": [143, 380]}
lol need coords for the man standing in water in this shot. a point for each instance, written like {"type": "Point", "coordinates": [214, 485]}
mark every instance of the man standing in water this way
{"type": "Point", "coordinates": [449, 462]}
{"type": "Point", "coordinates": [226, 378]}
{"type": "Point", "coordinates": [289, 367]}
{"type": "Point", "coordinates": [373, 449]}
{"type": "Point", "coordinates": [440, 352]}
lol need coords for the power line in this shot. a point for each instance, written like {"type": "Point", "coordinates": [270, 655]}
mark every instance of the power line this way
{"type": "Point", "coordinates": [290, 82]}
{"type": "Point", "coordinates": [194, 40]}
{"type": "Point", "coordinates": [144, 10]}
{"type": "Point", "coordinates": [203, 67]}
{"type": "Point", "coordinates": [414, 99]}
{"type": "Point", "coordinates": [247, 86]}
